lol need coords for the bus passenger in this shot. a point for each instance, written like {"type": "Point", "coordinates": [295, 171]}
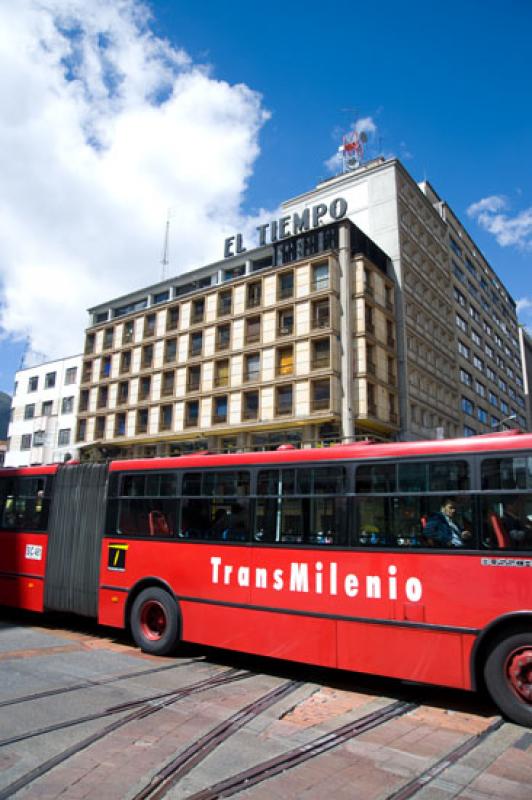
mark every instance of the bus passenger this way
{"type": "Point", "coordinates": [441, 529]}
{"type": "Point", "coordinates": [515, 522]}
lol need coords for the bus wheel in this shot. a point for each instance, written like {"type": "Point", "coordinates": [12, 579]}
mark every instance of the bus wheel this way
{"type": "Point", "coordinates": [508, 675]}
{"type": "Point", "coordinates": [155, 621]}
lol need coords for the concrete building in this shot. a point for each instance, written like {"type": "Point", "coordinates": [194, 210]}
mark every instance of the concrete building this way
{"type": "Point", "coordinates": [365, 310]}
{"type": "Point", "coordinates": [43, 413]}
{"type": "Point", "coordinates": [248, 352]}
{"type": "Point", "coordinates": [525, 342]}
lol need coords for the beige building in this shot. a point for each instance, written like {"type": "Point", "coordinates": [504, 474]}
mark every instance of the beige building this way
{"type": "Point", "coordinates": [245, 354]}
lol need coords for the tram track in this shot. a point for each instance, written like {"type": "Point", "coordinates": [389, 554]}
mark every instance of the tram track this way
{"type": "Point", "coordinates": [147, 707]}
{"type": "Point", "coordinates": [298, 755]}
{"type": "Point", "coordinates": [94, 684]}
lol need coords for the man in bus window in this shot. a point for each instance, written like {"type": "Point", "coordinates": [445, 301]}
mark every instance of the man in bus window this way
{"type": "Point", "coordinates": [441, 528]}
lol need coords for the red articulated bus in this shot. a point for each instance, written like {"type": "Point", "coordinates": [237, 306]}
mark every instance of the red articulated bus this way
{"type": "Point", "coordinates": [410, 560]}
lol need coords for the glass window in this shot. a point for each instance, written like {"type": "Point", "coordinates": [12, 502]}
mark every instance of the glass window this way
{"type": "Point", "coordinates": [225, 303]}
{"type": "Point", "coordinates": [198, 310]}
{"type": "Point", "coordinates": [507, 521]}
{"type": "Point", "coordinates": [29, 411]}
{"type": "Point", "coordinates": [285, 285]}
{"type": "Point", "coordinates": [320, 276]}
{"type": "Point", "coordinates": [507, 473]}
{"type": "Point", "coordinates": [196, 344]}
{"type": "Point", "coordinates": [434, 476]}
{"type": "Point", "coordinates": [108, 338]}
{"type": "Point", "coordinates": [320, 313]}
{"type": "Point", "coordinates": [285, 321]}
{"type": "Point", "coordinates": [254, 294]}
{"type": "Point", "coordinates": [284, 400]}
{"type": "Point", "coordinates": [194, 378]}
{"type": "Point", "coordinates": [128, 331]}
{"type": "Point", "coordinates": [46, 409]}
{"type": "Point", "coordinates": [67, 405]}
{"type": "Point", "coordinates": [375, 478]}
{"type": "Point", "coordinates": [33, 383]}
{"type": "Point", "coordinates": [70, 375]}
{"type": "Point", "coordinates": [63, 437]}
{"type": "Point", "coordinates": [320, 395]}
{"type": "Point", "coordinates": [223, 336]}
{"type": "Point", "coordinates": [252, 367]}
{"type": "Point", "coordinates": [149, 325]}
{"type": "Point", "coordinates": [25, 443]}
{"type": "Point", "coordinates": [170, 349]}
{"type": "Point", "coordinates": [172, 318]}
{"type": "Point", "coordinates": [191, 413]}
{"type": "Point", "coordinates": [252, 330]}
{"type": "Point", "coordinates": [219, 409]}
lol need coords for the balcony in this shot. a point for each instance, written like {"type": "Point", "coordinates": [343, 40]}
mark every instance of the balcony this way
{"type": "Point", "coordinates": [219, 418]}
{"type": "Point", "coordinates": [321, 362]}
{"type": "Point", "coordinates": [221, 380]}
{"type": "Point", "coordinates": [193, 385]}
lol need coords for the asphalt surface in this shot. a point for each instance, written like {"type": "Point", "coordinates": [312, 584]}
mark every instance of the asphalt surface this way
{"type": "Point", "coordinates": [84, 714]}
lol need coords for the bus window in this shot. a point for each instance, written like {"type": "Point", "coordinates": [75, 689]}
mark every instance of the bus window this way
{"type": "Point", "coordinates": [374, 526]}
{"type": "Point", "coordinates": [507, 473]}
{"type": "Point", "coordinates": [215, 506]}
{"type": "Point", "coordinates": [507, 521]}
{"type": "Point", "coordinates": [433, 476]}
{"type": "Point", "coordinates": [147, 505]}
{"type": "Point", "coordinates": [448, 522]}
{"type": "Point", "coordinates": [408, 521]}
{"type": "Point", "coordinates": [375, 479]}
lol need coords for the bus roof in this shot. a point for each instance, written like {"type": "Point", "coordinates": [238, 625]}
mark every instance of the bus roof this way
{"type": "Point", "coordinates": [493, 442]}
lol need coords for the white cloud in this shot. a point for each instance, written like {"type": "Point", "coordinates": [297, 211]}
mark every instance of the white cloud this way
{"type": "Point", "coordinates": [509, 231]}
{"type": "Point", "coordinates": [103, 127]}
{"type": "Point", "coordinates": [524, 312]}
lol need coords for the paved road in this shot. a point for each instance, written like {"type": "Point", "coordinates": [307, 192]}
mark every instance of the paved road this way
{"type": "Point", "coordinates": [86, 715]}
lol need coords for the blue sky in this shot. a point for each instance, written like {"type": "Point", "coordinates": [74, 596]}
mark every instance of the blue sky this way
{"type": "Point", "coordinates": [447, 87]}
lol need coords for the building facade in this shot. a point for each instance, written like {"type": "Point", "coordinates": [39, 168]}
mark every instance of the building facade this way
{"type": "Point", "coordinates": [365, 310]}
{"type": "Point", "coordinates": [42, 427]}
{"type": "Point", "coordinates": [250, 352]}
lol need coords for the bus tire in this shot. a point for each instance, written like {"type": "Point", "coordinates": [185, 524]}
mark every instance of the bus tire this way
{"type": "Point", "coordinates": [154, 621]}
{"type": "Point", "coordinates": [508, 676]}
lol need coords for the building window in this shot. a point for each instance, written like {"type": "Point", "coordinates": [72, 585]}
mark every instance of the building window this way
{"type": "Point", "coordinates": [149, 325]}
{"type": "Point", "coordinates": [463, 349]}
{"type": "Point", "coordinates": [84, 400]}
{"type": "Point", "coordinates": [105, 367]}
{"type": "Point", "coordinates": [285, 321]}
{"type": "Point", "coordinates": [165, 418]}
{"type": "Point", "coordinates": [123, 392]}
{"type": "Point", "coordinates": [467, 406]}
{"type": "Point", "coordinates": [147, 356]}
{"type": "Point", "coordinates": [223, 336]}
{"type": "Point", "coordinates": [390, 335]}
{"type": "Point", "coordinates": [99, 428]}
{"type": "Point", "coordinates": [461, 323]}
{"type": "Point", "coordinates": [89, 343]}
{"type": "Point", "coordinates": [25, 442]}
{"type": "Point", "coordinates": [46, 408]}
{"type": "Point", "coordinates": [219, 409]}
{"type": "Point", "coordinates": [128, 332]}
{"type": "Point", "coordinates": [197, 311]}
{"type": "Point", "coordinates": [63, 437]}
{"type": "Point", "coordinates": [120, 424]}
{"type": "Point", "coordinates": [142, 420]}
{"type": "Point", "coordinates": [252, 367]}
{"type": "Point", "coordinates": [368, 283]}
{"type": "Point", "coordinates": [285, 361]}
{"type": "Point", "coordinates": [191, 413]}
{"type": "Point", "coordinates": [468, 431]}
{"type": "Point", "coordinates": [320, 276]}
{"type": "Point", "coordinates": [285, 285]}
{"type": "Point", "coordinates": [103, 395]}
{"type": "Point", "coordinates": [320, 395]}
{"type": "Point", "coordinates": [388, 293]}
{"type": "Point", "coordinates": [29, 411]}
{"type": "Point", "coordinates": [283, 400]}
{"type": "Point", "coordinates": [254, 294]}
{"type": "Point", "coordinates": [67, 405]}
{"type": "Point", "coordinates": [49, 380]}
{"type": "Point", "coordinates": [33, 384]}
{"type": "Point", "coordinates": [372, 405]}
{"type": "Point", "coordinates": [465, 377]}
{"type": "Point", "coordinates": [167, 384]}
{"type": "Point", "coordinates": [82, 430]}
{"type": "Point", "coordinates": [225, 303]}
{"type": "Point", "coordinates": [321, 353]}
{"type": "Point", "coordinates": [71, 375]}
{"type": "Point", "coordinates": [321, 317]}
{"type": "Point", "coordinates": [172, 318]}
{"type": "Point", "coordinates": [482, 416]}
{"type": "Point", "coordinates": [480, 389]}
{"type": "Point", "coordinates": [494, 400]}
{"type": "Point", "coordinates": [252, 330]}
{"type": "Point", "coordinates": [478, 363]}
{"type": "Point", "coordinates": [170, 350]}
{"type": "Point", "coordinates": [196, 344]}
{"type": "Point", "coordinates": [221, 373]}
{"type": "Point", "coordinates": [368, 319]}
{"type": "Point", "coordinates": [38, 439]}
{"type": "Point", "coordinates": [194, 378]}
{"type": "Point", "coordinates": [125, 361]}
{"type": "Point", "coordinates": [144, 387]}
{"type": "Point", "coordinates": [250, 405]}
{"type": "Point", "coordinates": [476, 338]}
{"type": "Point", "coordinates": [108, 338]}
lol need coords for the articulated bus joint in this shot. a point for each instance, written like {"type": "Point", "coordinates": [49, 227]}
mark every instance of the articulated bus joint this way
{"type": "Point", "coordinates": [507, 625]}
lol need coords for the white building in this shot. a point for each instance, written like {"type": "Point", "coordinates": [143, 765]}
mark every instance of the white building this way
{"type": "Point", "coordinates": [43, 413]}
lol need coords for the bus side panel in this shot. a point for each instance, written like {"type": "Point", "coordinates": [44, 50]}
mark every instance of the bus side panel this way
{"type": "Point", "coordinates": [22, 568]}
{"type": "Point", "coordinates": [413, 654]}
{"type": "Point", "coordinates": [112, 607]}
{"type": "Point", "coordinates": [304, 639]}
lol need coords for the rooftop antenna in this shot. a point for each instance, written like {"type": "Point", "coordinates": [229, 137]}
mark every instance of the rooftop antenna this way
{"type": "Point", "coordinates": [164, 257]}
{"type": "Point", "coordinates": [352, 147]}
